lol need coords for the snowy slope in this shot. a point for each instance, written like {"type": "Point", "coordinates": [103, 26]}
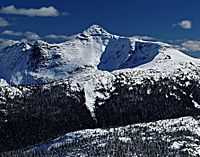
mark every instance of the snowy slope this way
{"type": "Point", "coordinates": [38, 61]}
{"type": "Point", "coordinates": [92, 51]}
{"type": "Point", "coordinates": [163, 137]}
{"type": "Point", "coordinates": [93, 59]}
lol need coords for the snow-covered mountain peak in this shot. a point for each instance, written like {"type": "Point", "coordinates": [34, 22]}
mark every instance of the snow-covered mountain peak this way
{"type": "Point", "coordinates": [95, 30]}
{"type": "Point", "coordinates": [92, 51]}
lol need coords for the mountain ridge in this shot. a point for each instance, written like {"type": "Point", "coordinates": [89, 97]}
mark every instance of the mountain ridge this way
{"type": "Point", "coordinates": [94, 49]}
{"type": "Point", "coordinates": [93, 60]}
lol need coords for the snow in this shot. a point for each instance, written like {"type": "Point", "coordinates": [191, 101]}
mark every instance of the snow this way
{"type": "Point", "coordinates": [176, 145]}
{"type": "Point", "coordinates": [196, 104]}
{"type": "Point", "coordinates": [125, 139]}
{"type": "Point", "coordinates": [162, 130]}
{"type": "Point", "coordinates": [187, 83]}
{"type": "Point", "coordinates": [90, 96]}
{"type": "Point", "coordinates": [130, 88]}
{"type": "Point", "coordinates": [92, 51]}
{"type": "Point", "coordinates": [3, 82]}
{"type": "Point", "coordinates": [92, 87]}
{"type": "Point", "coordinates": [68, 138]}
{"type": "Point", "coordinates": [91, 61]}
{"type": "Point", "coordinates": [117, 51]}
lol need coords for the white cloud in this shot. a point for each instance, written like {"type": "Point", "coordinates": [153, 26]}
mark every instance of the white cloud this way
{"type": "Point", "coordinates": [190, 45]}
{"type": "Point", "coordinates": [3, 22]}
{"type": "Point", "coordinates": [186, 45]}
{"type": "Point", "coordinates": [56, 37]}
{"type": "Point", "coordinates": [31, 12]}
{"type": "Point", "coordinates": [28, 35]}
{"type": "Point", "coordinates": [9, 32]}
{"type": "Point", "coordinates": [31, 36]}
{"type": "Point", "coordinates": [185, 24]}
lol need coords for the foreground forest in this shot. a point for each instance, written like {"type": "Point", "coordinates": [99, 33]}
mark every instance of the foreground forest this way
{"type": "Point", "coordinates": [44, 112]}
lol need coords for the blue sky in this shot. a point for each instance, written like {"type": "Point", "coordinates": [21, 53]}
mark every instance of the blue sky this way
{"type": "Point", "coordinates": [160, 19]}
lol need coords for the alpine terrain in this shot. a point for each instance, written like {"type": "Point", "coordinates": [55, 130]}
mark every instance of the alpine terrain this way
{"type": "Point", "coordinates": [98, 94]}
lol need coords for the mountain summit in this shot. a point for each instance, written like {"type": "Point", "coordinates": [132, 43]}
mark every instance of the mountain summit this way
{"type": "Point", "coordinates": [95, 30]}
{"type": "Point", "coordinates": [90, 52]}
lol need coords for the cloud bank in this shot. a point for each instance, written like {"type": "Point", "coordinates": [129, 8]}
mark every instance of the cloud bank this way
{"type": "Point", "coordinates": [12, 33]}
{"type": "Point", "coordinates": [28, 35]}
{"type": "Point", "coordinates": [50, 11]}
{"type": "Point", "coordinates": [190, 45]}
